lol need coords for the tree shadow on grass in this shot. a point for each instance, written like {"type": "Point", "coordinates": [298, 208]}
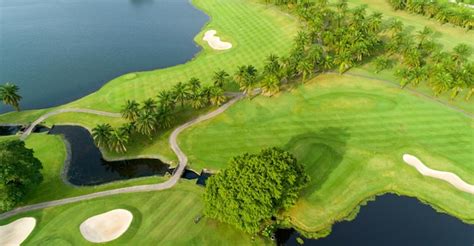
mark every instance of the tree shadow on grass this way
{"type": "Point", "coordinates": [320, 152]}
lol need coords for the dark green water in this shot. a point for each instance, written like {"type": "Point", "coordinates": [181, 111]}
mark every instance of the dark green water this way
{"type": "Point", "coordinates": [60, 50]}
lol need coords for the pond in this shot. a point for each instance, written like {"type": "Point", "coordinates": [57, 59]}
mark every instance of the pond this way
{"type": "Point", "coordinates": [87, 167]}
{"type": "Point", "coordinates": [393, 220]}
{"type": "Point", "coordinates": [57, 51]}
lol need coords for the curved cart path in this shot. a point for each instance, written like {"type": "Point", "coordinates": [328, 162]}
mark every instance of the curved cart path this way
{"type": "Point", "coordinates": [183, 161]}
{"type": "Point", "coordinates": [30, 128]}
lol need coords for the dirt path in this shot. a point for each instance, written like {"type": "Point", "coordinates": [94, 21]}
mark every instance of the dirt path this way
{"type": "Point", "coordinates": [183, 161]}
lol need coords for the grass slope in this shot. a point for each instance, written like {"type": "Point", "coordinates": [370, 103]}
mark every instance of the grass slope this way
{"type": "Point", "coordinates": [351, 134]}
{"type": "Point", "coordinates": [160, 218]}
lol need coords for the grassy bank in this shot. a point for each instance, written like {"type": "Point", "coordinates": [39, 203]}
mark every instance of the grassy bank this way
{"type": "Point", "coordinates": [160, 218]}
{"type": "Point", "coordinates": [351, 134]}
{"type": "Point", "coordinates": [51, 151]}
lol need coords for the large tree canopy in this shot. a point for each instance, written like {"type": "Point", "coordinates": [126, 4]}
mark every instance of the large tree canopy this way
{"type": "Point", "coordinates": [19, 170]}
{"type": "Point", "coordinates": [253, 188]}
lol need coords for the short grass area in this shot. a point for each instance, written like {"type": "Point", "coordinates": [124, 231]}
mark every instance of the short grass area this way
{"type": "Point", "coordinates": [160, 218]}
{"type": "Point", "coordinates": [50, 150]}
{"type": "Point", "coordinates": [351, 134]}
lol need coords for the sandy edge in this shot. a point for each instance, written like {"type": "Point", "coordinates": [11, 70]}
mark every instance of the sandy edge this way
{"type": "Point", "coordinates": [17, 231]}
{"type": "Point", "coordinates": [215, 42]}
{"type": "Point", "coordinates": [106, 226]}
{"type": "Point", "coordinates": [449, 177]}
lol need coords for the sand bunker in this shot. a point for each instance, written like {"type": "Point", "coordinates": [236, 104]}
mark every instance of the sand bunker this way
{"type": "Point", "coordinates": [215, 42]}
{"type": "Point", "coordinates": [107, 226]}
{"type": "Point", "coordinates": [451, 178]}
{"type": "Point", "coordinates": [17, 231]}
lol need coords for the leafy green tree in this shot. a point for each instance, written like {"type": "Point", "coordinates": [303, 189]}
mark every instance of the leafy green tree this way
{"type": "Point", "coordinates": [19, 172]}
{"type": "Point", "coordinates": [9, 95]}
{"type": "Point", "coordinates": [253, 188]}
{"type": "Point", "coordinates": [131, 110]}
{"type": "Point", "coordinates": [101, 135]}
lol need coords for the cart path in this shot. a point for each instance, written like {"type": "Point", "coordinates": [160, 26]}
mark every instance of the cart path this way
{"type": "Point", "coordinates": [31, 127]}
{"type": "Point", "coordinates": [183, 161]}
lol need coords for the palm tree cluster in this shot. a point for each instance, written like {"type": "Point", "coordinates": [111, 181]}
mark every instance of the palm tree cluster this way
{"type": "Point", "coordinates": [422, 59]}
{"type": "Point", "coordinates": [151, 115]}
{"type": "Point", "coordinates": [444, 12]}
{"type": "Point", "coordinates": [9, 95]}
{"type": "Point", "coordinates": [339, 37]}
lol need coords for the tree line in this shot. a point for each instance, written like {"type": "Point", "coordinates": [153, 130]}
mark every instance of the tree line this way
{"type": "Point", "coordinates": [336, 37]}
{"type": "Point", "coordinates": [153, 114]}
{"type": "Point", "coordinates": [443, 12]}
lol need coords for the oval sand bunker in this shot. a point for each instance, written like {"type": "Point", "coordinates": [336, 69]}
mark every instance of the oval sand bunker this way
{"type": "Point", "coordinates": [17, 231]}
{"type": "Point", "coordinates": [107, 226]}
{"type": "Point", "coordinates": [215, 42]}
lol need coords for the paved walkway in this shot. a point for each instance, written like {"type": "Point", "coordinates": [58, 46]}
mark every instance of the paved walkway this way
{"type": "Point", "coordinates": [30, 128]}
{"type": "Point", "coordinates": [183, 161]}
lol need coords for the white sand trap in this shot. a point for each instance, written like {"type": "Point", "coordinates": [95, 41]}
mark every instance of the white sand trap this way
{"type": "Point", "coordinates": [107, 226]}
{"type": "Point", "coordinates": [215, 42]}
{"type": "Point", "coordinates": [17, 231]}
{"type": "Point", "coordinates": [451, 178]}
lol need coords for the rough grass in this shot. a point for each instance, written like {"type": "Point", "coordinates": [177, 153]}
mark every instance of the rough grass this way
{"type": "Point", "coordinates": [160, 218]}
{"type": "Point", "coordinates": [350, 133]}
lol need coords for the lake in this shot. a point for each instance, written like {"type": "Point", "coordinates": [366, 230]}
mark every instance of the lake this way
{"type": "Point", "coordinates": [57, 51]}
{"type": "Point", "coordinates": [393, 220]}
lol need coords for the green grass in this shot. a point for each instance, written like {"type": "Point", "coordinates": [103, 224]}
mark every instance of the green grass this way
{"type": "Point", "coordinates": [51, 151]}
{"type": "Point", "coordinates": [160, 218]}
{"type": "Point", "coordinates": [350, 133]}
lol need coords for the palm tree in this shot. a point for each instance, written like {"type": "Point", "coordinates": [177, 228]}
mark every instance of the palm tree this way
{"type": "Point", "coordinates": [240, 74]}
{"type": "Point", "coordinates": [217, 96]}
{"type": "Point", "coordinates": [270, 85]}
{"type": "Point", "coordinates": [166, 99]}
{"type": "Point", "coordinates": [220, 77]}
{"type": "Point", "coordinates": [272, 67]}
{"type": "Point", "coordinates": [194, 85]}
{"type": "Point", "coordinates": [149, 106]}
{"type": "Point", "coordinates": [198, 100]}
{"type": "Point", "coordinates": [128, 127]}
{"type": "Point", "coordinates": [146, 124]}
{"type": "Point", "coordinates": [181, 92]}
{"type": "Point", "coordinates": [165, 117]}
{"type": "Point", "coordinates": [344, 61]}
{"type": "Point", "coordinates": [305, 68]}
{"type": "Point", "coordinates": [131, 110]}
{"type": "Point", "coordinates": [9, 95]}
{"type": "Point", "coordinates": [118, 140]}
{"type": "Point", "coordinates": [460, 53]}
{"type": "Point", "coordinates": [101, 135]}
